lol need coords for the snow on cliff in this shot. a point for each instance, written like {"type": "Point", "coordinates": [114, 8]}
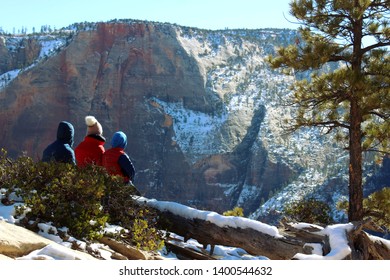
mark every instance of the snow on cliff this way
{"type": "Point", "coordinates": [49, 45]}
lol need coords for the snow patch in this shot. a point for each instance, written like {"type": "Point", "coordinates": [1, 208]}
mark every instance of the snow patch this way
{"type": "Point", "coordinates": [213, 217]}
{"type": "Point", "coordinates": [49, 46]}
{"type": "Point", "coordinates": [194, 131]}
{"type": "Point", "coordinates": [338, 243]}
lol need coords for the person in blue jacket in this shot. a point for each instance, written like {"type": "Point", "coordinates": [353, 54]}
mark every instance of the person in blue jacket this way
{"type": "Point", "coordinates": [61, 149]}
{"type": "Point", "coordinates": [116, 161]}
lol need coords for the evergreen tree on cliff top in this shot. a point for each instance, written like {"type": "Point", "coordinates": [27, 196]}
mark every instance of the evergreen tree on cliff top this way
{"type": "Point", "coordinates": [353, 100]}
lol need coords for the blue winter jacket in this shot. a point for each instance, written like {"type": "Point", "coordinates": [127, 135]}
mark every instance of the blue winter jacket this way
{"type": "Point", "coordinates": [61, 149]}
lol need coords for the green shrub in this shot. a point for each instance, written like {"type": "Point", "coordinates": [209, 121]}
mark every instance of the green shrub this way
{"type": "Point", "coordinates": [376, 206]}
{"type": "Point", "coordinates": [144, 235]}
{"type": "Point", "coordinates": [309, 210]}
{"type": "Point", "coordinates": [82, 200]}
{"type": "Point", "coordinates": [236, 211]}
{"type": "Point", "coordinates": [62, 194]}
{"type": "Point", "coordinates": [140, 220]}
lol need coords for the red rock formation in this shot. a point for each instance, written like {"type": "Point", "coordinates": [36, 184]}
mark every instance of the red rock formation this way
{"type": "Point", "coordinates": [113, 72]}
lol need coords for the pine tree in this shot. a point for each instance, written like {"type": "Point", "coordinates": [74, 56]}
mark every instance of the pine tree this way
{"type": "Point", "coordinates": [377, 206]}
{"type": "Point", "coordinates": [354, 99]}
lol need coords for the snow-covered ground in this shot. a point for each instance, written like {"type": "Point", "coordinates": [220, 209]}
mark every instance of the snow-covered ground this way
{"type": "Point", "coordinates": [220, 252]}
{"type": "Point", "coordinates": [337, 235]}
{"type": "Point", "coordinates": [230, 263]}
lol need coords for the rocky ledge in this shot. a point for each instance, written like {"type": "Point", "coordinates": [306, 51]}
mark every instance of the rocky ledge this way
{"type": "Point", "coordinates": [18, 243]}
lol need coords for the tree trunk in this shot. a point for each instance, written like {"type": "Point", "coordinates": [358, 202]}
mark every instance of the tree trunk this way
{"type": "Point", "coordinates": [355, 211]}
{"type": "Point", "coordinates": [363, 248]}
{"type": "Point", "coordinates": [254, 242]}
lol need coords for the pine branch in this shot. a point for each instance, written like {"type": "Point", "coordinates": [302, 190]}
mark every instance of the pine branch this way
{"type": "Point", "coordinates": [327, 124]}
{"type": "Point", "coordinates": [378, 151]}
{"type": "Point", "coordinates": [375, 46]}
{"type": "Point", "coordinates": [382, 116]}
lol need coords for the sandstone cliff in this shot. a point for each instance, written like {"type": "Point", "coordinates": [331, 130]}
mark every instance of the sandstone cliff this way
{"type": "Point", "coordinates": [202, 110]}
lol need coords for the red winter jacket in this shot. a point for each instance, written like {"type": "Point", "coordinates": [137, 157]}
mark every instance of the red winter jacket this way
{"type": "Point", "coordinates": [90, 150]}
{"type": "Point", "coordinates": [117, 162]}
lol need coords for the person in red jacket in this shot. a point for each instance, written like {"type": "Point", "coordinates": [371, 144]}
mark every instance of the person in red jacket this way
{"type": "Point", "coordinates": [91, 149]}
{"type": "Point", "coordinates": [116, 161]}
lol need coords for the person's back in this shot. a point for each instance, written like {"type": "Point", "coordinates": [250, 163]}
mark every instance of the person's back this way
{"type": "Point", "coordinates": [91, 149]}
{"type": "Point", "coordinates": [111, 161]}
{"type": "Point", "coordinates": [116, 161]}
{"type": "Point", "coordinates": [61, 149]}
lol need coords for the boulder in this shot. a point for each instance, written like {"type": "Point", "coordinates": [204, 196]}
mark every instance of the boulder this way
{"type": "Point", "coordinates": [20, 243]}
{"type": "Point", "coordinates": [4, 258]}
{"type": "Point", "coordinates": [16, 241]}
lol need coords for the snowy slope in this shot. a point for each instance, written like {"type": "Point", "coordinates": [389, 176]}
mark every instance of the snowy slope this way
{"type": "Point", "coordinates": [50, 44]}
{"type": "Point", "coordinates": [235, 69]}
{"type": "Point", "coordinates": [337, 235]}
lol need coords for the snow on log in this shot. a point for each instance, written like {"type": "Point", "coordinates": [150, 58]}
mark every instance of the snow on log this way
{"type": "Point", "coordinates": [210, 228]}
{"type": "Point", "coordinates": [290, 241]}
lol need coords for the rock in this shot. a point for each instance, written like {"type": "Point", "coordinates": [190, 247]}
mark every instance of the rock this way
{"type": "Point", "coordinates": [16, 241]}
{"type": "Point", "coordinates": [24, 51]}
{"type": "Point", "coordinates": [19, 243]}
{"type": "Point", "coordinates": [4, 257]}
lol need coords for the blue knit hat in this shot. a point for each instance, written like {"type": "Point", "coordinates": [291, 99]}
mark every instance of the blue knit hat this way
{"type": "Point", "coordinates": [119, 140]}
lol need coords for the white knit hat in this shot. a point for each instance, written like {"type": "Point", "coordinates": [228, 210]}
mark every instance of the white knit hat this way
{"type": "Point", "coordinates": [93, 126]}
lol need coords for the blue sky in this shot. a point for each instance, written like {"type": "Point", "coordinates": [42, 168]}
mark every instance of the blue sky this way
{"type": "Point", "coordinates": [208, 14]}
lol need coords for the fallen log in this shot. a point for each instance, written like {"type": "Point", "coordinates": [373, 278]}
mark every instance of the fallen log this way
{"type": "Point", "coordinates": [290, 243]}
{"type": "Point", "coordinates": [126, 250]}
{"type": "Point", "coordinates": [184, 253]}
{"type": "Point", "coordinates": [254, 242]}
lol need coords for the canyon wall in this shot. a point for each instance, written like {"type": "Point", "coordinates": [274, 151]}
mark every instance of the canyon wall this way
{"type": "Point", "coordinates": [202, 110]}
